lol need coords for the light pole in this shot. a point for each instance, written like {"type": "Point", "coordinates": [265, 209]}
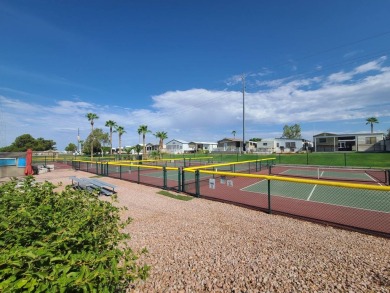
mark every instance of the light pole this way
{"type": "Point", "coordinates": [243, 114]}
{"type": "Point", "coordinates": [78, 140]}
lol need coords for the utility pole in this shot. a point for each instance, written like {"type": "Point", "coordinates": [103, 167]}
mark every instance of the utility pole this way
{"type": "Point", "coordinates": [3, 130]}
{"type": "Point", "coordinates": [243, 113]}
{"type": "Point", "coordinates": [78, 140]}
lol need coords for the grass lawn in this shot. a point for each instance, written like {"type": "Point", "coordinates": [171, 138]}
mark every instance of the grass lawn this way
{"type": "Point", "coordinates": [175, 196]}
{"type": "Point", "coordinates": [348, 159]}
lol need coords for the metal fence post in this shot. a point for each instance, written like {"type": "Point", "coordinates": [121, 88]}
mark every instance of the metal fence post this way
{"type": "Point", "coordinates": [120, 171]}
{"type": "Point", "coordinates": [179, 170]}
{"type": "Point", "coordinates": [138, 175]}
{"type": "Point", "coordinates": [164, 178]}
{"type": "Point", "coordinates": [183, 180]}
{"type": "Point", "coordinates": [269, 196]}
{"type": "Point", "coordinates": [345, 159]}
{"type": "Point", "coordinates": [197, 183]}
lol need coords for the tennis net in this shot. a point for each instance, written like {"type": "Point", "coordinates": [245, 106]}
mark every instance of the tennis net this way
{"type": "Point", "coordinates": [332, 173]}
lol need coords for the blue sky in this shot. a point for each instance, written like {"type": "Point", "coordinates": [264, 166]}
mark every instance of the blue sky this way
{"type": "Point", "coordinates": [176, 66]}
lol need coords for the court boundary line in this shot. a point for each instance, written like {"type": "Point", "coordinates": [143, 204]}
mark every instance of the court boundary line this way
{"type": "Point", "coordinates": [311, 193]}
{"type": "Point", "coordinates": [370, 178]}
{"type": "Point", "coordinates": [331, 204]}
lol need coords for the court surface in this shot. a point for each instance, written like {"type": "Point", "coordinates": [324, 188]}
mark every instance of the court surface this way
{"type": "Point", "coordinates": [173, 175]}
{"type": "Point", "coordinates": [348, 197]}
{"type": "Point", "coordinates": [372, 176]}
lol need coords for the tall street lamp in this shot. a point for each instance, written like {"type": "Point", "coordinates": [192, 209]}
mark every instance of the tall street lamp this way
{"type": "Point", "coordinates": [243, 113]}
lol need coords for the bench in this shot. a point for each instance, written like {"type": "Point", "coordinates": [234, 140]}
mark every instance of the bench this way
{"type": "Point", "coordinates": [93, 185]}
{"type": "Point", "coordinates": [102, 183]}
{"type": "Point", "coordinates": [81, 183]}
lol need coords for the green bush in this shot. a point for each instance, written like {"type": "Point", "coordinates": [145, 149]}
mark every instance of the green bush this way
{"type": "Point", "coordinates": [66, 241]}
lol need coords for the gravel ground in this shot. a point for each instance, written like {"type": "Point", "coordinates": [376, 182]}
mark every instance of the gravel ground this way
{"type": "Point", "coordinates": [205, 246]}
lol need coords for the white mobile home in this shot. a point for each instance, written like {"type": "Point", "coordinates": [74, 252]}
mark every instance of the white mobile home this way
{"type": "Point", "coordinates": [203, 146]}
{"type": "Point", "coordinates": [177, 146]}
{"type": "Point", "coordinates": [281, 145]}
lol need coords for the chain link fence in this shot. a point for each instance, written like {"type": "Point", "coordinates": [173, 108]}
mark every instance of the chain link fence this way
{"type": "Point", "coordinates": [359, 205]}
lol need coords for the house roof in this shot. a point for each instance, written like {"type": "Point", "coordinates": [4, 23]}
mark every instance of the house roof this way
{"type": "Point", "coordinates": [283, 138]}
{"type": "Point", "coordinates": [202, 142]}
{"type": "Point", "coordinates": [230, 139]}
{"type": "Point", "coordinates": [178, 140]}
{"type": "Point", "coordinates": [348, 134]}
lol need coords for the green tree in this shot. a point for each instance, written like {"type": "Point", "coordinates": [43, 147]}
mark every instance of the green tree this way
{"type": "Point", "coordinates": [128, 152]}
{"type": "Point", "coordinates": [143, 129]}
{"type": "Point", "coordinates": [42, 144]}
{"type": "Point", "coordinates": [371, 121]}
{"type": "Point", "coordinates": [25, 141]}
{"type": "Point", "coordinates": [234, 134]}
{"type": "Point", "coordinates": [161, 135]}
{"type": "Point", "coordinates": [255, 139]}
{"type": "Point", "coordinates": [91, 118]}
{"type": "Point", "coordinates": [112, 125]}
{"type": "Point", "coordinates": [103, 139]}
{"type": "Point", "coordinates": [137, 148]}
{"type": "Point", "coordinates": [121, 131]}
{"type": "Point", "coordinates": [97, 139]}
{"type": "Point", "coordinates": [68, 241]}
{"type": "Point", "coordinates": [293, 131]}
{"type": "Point", "coordinates": [71, 147]}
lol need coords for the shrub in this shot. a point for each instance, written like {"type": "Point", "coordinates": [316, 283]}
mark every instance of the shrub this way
{"type": "Point", "coordinates": [62, 242]}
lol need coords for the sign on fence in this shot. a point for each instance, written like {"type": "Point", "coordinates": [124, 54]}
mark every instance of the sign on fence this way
{"type": "Point", "coordinates": [212, 183]}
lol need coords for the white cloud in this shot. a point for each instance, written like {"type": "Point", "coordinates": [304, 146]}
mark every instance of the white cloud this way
{"type": "Point", "coordinates": [233, 80]}
{"type": "Point", "coordinates": [201, 114]}
{"type": "Point", "coordinates": [340, 77]}
{"type": "Point", "coordinates": [352, 53]}
{"type": "Point", "coordinates": [373, 65]}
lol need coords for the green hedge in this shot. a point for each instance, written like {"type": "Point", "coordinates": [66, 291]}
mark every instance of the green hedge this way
{"type": "Point", "coordinates": [66, 241]}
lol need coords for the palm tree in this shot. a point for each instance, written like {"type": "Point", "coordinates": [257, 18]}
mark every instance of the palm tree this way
{"type": "Point", "coordinates": [91, 118]}
{"type": "Point", "coordinates": [234, 134]}
{"type": "Point", "coordinates": [137, 149]}
{"type": "Point", "coordinates": [371, 121]}
{"type": "Point", "coordinates": [161, 135]}
{"type": "Point", "coordinates": [110, 124]}
{"type": "Point", "coordinates": [143, 129]}
{"type": "Point", "coordinates": [120, 130]}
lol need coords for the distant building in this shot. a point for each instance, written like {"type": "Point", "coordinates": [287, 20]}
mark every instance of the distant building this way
{"type": "Point", "coordinates": [282, 145]}
{"type": "Point", "coordinates": [359, 142]}
{"type": "Point", "coordinates": [177, 146]}
{"type": "Point", "coordinates": [151, 147]}
{"type": "Point", "coordinates": [229, 145]}
{"type": "Point", "coordinates": [203, 146]}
